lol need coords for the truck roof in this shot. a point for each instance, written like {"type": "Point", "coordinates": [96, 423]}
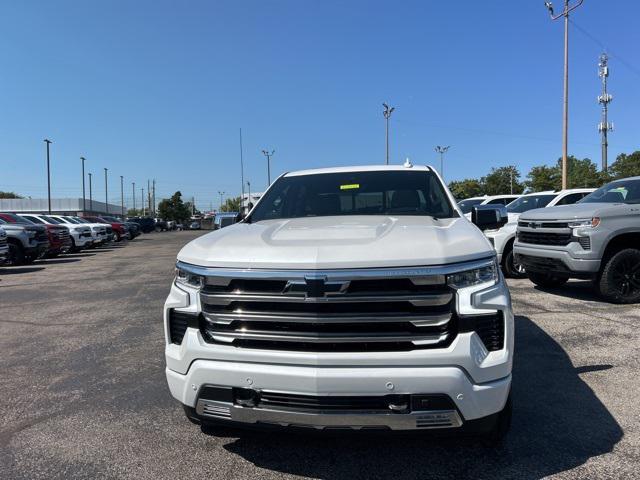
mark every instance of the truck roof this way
{"type": "Point", "coordinates": [358, 168]}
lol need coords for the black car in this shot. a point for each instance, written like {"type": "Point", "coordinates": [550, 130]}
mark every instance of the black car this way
{"type": "Point", "coordinates": [146, 224]}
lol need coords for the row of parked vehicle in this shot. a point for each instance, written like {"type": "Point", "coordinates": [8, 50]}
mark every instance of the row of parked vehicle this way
{"type": "Point", "coordinates": [27, 237]}
{"type": "Point", "coordinates": [583, 233]}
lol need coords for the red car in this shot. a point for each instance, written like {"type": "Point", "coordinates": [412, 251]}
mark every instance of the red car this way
{"type": "Point", "coordinates": [59, 237]}
{"type": "Point", "coordinates": [120, 230]}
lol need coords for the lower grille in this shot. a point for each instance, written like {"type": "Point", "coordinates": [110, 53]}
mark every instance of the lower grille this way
{"type": "Point", "coordinates": [178, 324]}
{"type": "Point", "coordinates": [542, 264]}
{"type": "Point", "coordinates": [585, 242]}
{"type": "Point", "coordinates": [490, 329]}
{"type": "Point", "coordinates": [544, 238]}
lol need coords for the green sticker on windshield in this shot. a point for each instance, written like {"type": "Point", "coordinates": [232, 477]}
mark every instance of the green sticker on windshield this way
{"type": "Point", "coordinates": [350, 186]}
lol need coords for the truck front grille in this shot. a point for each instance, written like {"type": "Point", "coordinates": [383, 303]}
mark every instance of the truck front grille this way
{"type": "Point", "coordinates": [544, 238]}
{"type": "Point", "coordinates": [325, 312]}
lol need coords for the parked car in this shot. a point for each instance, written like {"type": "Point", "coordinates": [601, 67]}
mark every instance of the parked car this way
{"type": "Point", "coordinates": [330, 307]}
{"type": "Point", "coordinates": [161, 225]}
{"type": "Point", "coordinates": [127, 225]}
{"type": "Point", "coordinates": [224, 220]}
{"type": "Point", "coordinates": [171, 224]}
{"type": "Point", "coordinates": [4, 246]}
{"type": "Point", "coordinates": [147, 225]}
{"type": "Point", "coordinates": [118, 229]}
{"type": "Point", "coordinates": [503, 238]}
{"type": "Point", "coordinates": [100, 233]}
{"type": "Point", "coordinates": [468, 203]}
{"type": "Point", "coordinates": [60, 239]}
{"type": "Point", "coordinates": [80, 235]}
{"type": "Point", "coordinates": [179, 226]}
{"type": "Point", "coordinates": [194, 226]}
{"type": "Point", "coordinates": [27, 241]}
{"type": "Point", "coordinates": [597, 239]}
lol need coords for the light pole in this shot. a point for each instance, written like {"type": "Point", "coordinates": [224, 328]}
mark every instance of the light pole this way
{"type": "Point", "coordinates": [84, 206]}
{"type": "Point", "coordinates": [387, 115]}
{"type": "Point", "coordinates": [241, 168]}
{"type": "Point", "coordinates": [90, 194]}
{"type": "Point", "coordinates": [106, 190]}
{"type": "Point", "coordinates": [142, 201]}
{"type": "Point", "coordinates": [48, 142]}
{"type": "Point", "coordinates": [133, 190]}
{"type": "Point", "coordinates": [122, 195]}
{"type": "Point", "coordinates": [565, 103]}
{"type": "Point", "coordinates": [221, 195]}
{"type": "Point", "coordinates": [268, 155]}
{"type": "Point", "coordinates": [442, 151]}
{"type": "Point", "coordinates": [249, 196]}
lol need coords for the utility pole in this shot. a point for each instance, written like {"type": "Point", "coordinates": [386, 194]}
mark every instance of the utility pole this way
{"type": "Point", "coordinates": [154, 197]}
{"type": "Point", "coordinates": [268, 155]}
{"type": "Point", "coordinates": [84, 206]}
{"type": "Point", "coordinates": [133, 190]}
{"type": "Point", "coordinates": [511, 175]}
{"type": "Point", "coordinates": [48, 142]}
{"type": "Point", "coordinates": [144, 213]}
{"type": "Point", "coordinates": [442, 151]}
{"type": "Point", "coordinates": [149, 198]}
{"type": "Point", "coordinates": [221, 195]}
{"type": "Point", "coordinates": [90, 195]}
{"type": "Point", "coordinates": [248, 196]}
{"type": "Point", "coordinates": [122, 195]}
{"type": "Point", "coordinates": [193, 206]}
{"type": "Point", "coordinates": [241, 172]}
{"type": "Point", "coordinates": [106, 190]}
{"type": "Point", "coordinates": [604, 127]}
{"type": "Point", "coordinates": [387, 115]}
{"type": "Point", "coordinates": [565, 103]}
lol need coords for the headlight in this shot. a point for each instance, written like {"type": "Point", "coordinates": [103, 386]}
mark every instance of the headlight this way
{"type": "Point", "coordinates": [189, 279]}
{"type": "Point", "coordinates": [31, 233]}
{"type": "Point", "coordinates": [468, 278]}
{"type": "Point", "coordinates": [587, 222]}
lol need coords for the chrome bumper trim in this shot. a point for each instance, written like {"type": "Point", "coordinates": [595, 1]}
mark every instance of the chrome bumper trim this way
{"type": "Point", "coordinates": [348, 420]}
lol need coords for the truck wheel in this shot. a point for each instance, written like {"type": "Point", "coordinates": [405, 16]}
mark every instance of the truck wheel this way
{"type": "Point", "coordinates": [619, 281]}
{"type": "Point", "coordinates": [117, 237]}
{"type": "Point", "coordinates": [547, 280]}
{"type": "Point", "coordinates": [16, 255]}
{"type": "Point", "coordinates": [509, 265]}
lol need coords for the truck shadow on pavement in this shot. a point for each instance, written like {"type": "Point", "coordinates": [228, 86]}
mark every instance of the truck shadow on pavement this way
{"type": "Point", "coordinates": [558, 424]}
{"type": "Point", "coordinates": [577, 290]}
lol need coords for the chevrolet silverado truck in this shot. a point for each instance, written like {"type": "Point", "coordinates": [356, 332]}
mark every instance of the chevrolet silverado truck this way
{"type": "Point", "coordinates": [503, 238]}
{"type": "Point", "coordinates": [116, 229]}
{"type": "Point", "coordinates": [81, 236]}
{"type": "Point", "coordinates": [597, 239]}
{"type": "Point", "coordinates": [349, 298]}
{"type": "Point", "coordinates": [27, 241]}
{"type": "Point", "coordinates": [60, 240]}
{"type": "Point", "coordinates": [100, 232]}
{"type": "Point", "coordinates": [4, 246]}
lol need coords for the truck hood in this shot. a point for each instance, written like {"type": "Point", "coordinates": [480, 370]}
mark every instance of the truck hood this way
{"type": "Point", "coordinates": [339, 242]}
{"type": "Point", "coordinates": [570, 212]}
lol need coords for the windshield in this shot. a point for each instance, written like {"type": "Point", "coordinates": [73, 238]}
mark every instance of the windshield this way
{"type": "Point", "coordinates": [111, 219]}
{"type": "Point", "coordinates": [55, 221]}
{"type": "Point", "coordinates": [79, 220]}
{"type": "Point", "coordinates": [355, 193]}
{"type": "Point", "coordinates": [620, 191]}
{"type": "Point", "coordinates": [467, 205]}
{"type": "Point", "coordinates": [529, 202]}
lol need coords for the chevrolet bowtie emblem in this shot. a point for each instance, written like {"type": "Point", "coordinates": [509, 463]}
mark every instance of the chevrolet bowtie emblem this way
{"type": "Point", "coordinates": [315, 287]}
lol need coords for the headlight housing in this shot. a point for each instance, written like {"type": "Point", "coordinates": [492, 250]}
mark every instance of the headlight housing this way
{"type": "Point", "coordinates": [189, 279]}
{"type": "Point", "coordinates": [585, 223]}
{"type": "Point", "coordinates": [485, 274]}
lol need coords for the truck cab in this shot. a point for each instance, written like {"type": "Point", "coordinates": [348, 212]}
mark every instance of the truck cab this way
{"type": "Point", "coordinates": [349, 298]}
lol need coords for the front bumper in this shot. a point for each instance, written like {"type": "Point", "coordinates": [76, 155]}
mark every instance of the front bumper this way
{"type": "Point", "coordinates": [472, 401]}
{"type": "Point", "coordinates": [549, 260]}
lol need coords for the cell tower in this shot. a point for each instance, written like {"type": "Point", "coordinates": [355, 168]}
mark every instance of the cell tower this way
{"type": "Point", "coordinates": [604, 127]}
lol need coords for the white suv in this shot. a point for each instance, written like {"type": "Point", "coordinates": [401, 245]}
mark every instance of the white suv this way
{"type": "Point", "coordinates": [353, 298]}
{"type": "Point", "coordinates": [503, 238]}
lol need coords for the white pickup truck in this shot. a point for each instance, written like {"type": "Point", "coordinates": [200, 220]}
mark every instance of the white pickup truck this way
{"type": "Point", "coordinates": [348, 298]}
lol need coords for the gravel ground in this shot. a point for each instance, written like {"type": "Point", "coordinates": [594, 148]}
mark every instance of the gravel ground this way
{"type": "Point", "coordinates": [84, 393]}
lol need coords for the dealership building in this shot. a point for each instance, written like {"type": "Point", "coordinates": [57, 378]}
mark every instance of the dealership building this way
{"type": "Point", "coordinates": [59, 206]}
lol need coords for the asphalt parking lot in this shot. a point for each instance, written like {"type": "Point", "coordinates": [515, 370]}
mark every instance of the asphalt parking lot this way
{"type": "Point", "coordinates": [84, 393]}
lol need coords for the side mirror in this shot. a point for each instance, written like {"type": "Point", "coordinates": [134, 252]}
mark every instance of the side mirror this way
{"type": "Point", "coordinates": [489, 217]}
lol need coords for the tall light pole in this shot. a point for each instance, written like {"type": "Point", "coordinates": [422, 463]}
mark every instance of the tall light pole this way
{"type": "Point", "coordinates": [565, 103]}
{"type": "Point", "coordinates": [604, 127]}
{"type": "Point", "coordinates": [268, 155]}
{"type": "Point", "coordinates": [442, 151]}
{"type": "Point", "coordinates": [142, 201]}
{"type": "Point", "coordinates": [122, 195]}
{"type": "Point", "coordinates": [221, 195]}
{"type": "Point", "coordinates": [90, 194]}
{"type": "Point", "coordinates": [387, 115]}
{"type": "Point", "coordinates": [106, 191]}
{"type": "Point", "coordinates": [84, 206]}
{"type": "Point", "coordinates": [241, 169]}
{"type": "Point", "coordinates": [48, 142]}
{"type": "Point", "coordinates": [133, 189]}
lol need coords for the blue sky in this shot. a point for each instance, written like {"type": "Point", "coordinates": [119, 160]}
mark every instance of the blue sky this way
{"type": "Point", "coordinates": [159, 89]}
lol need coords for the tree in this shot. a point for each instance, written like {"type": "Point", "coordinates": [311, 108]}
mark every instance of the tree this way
{"type": "Point", "coordinates": [580, 174]}
{"type": "Point", "coordinates": [134, 212]}
{"type": "Point", "coordinates": [231, 205]}
{"type": "Point", "coordinates": [543, 178]}
{"type": "Point", "coordinates": [503, 180]}
{"type": "Point", "coordinates": [174, 208]}
{"type": "Point", "coordinates": [9, 195]}
{"type": "Point", "coordinates": [469, 187]}
{"type": "Point", "coordinates": [626, 165]}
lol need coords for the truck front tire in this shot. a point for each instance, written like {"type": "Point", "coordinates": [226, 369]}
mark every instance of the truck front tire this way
{"type": "Point", "coordinates": [16, 255]}
{"type": "Point", "coordinates": [619, 281]}
{"type": "Point", "coordinates": [547, 280]}
{"type": "Point", "coordinates": [509, 266]}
